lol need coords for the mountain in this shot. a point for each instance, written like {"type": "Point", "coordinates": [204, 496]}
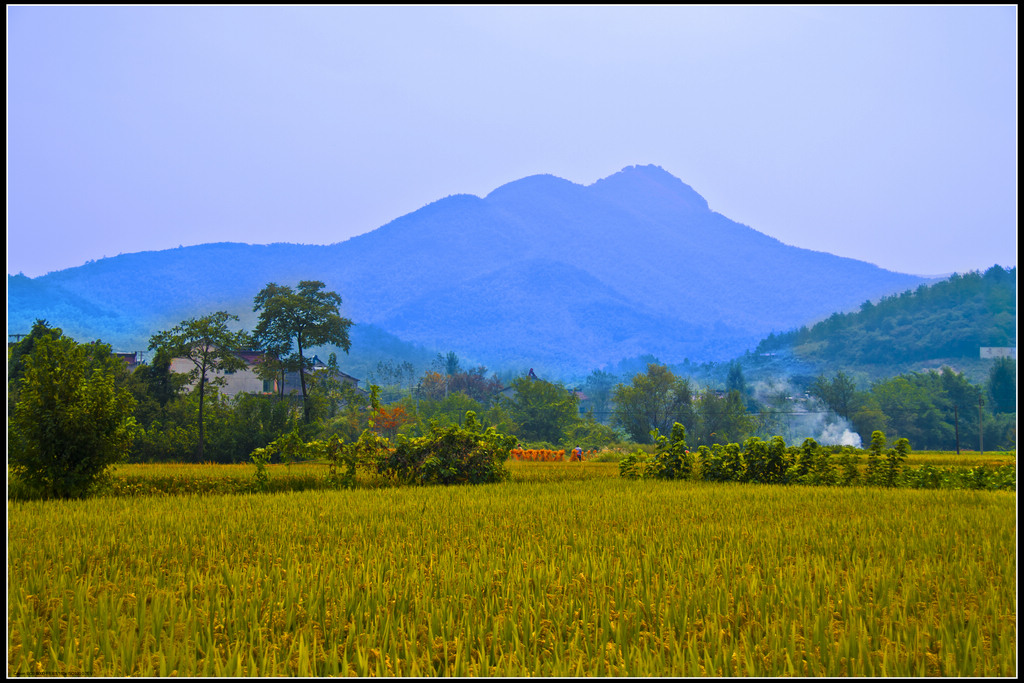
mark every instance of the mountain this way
{"type": "Point", "coordinates": [541, 272]}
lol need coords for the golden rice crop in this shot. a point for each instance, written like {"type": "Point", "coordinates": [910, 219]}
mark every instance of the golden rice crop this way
{"type": "Point", "coordinates": [570, 577]}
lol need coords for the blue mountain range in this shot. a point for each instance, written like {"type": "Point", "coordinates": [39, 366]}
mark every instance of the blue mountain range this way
{"type": "Point", "coordinates": [541, 272]}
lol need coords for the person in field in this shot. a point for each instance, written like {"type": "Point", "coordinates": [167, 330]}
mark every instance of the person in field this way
{"type": "Point", "coordinates": [577, 454]}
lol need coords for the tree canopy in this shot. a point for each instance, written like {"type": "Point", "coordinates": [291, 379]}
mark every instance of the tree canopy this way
{"type": "Point", "coordinates": [655, 399]}
{"type": "Point", "coordinates": [300, 319]}
{"type": "Point", "coordinates": [210, 346]}
{"type": "Point", "coordinates": [70, 422]}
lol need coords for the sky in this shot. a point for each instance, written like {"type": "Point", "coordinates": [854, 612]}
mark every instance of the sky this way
{"type": "Point", "coordinates": [885, 134]}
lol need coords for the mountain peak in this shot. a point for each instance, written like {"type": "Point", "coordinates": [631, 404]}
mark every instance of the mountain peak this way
{"type": "Point", "coordinates": [652, 184]}
{"type": "Point", "coordinates": [540, 184]}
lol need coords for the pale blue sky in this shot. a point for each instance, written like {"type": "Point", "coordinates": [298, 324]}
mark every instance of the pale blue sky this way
{"type": "Point", "coordinates": [887, 134]}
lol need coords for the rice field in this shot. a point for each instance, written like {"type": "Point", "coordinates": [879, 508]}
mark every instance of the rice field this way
{"type": "Point", "coordinates": [567, 570]}
{"type": "Point", "coordinates": [963, 459]}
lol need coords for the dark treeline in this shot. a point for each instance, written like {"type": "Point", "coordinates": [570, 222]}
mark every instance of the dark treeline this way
{"type": "Point", "coordinates": [188, 418]}
{"type": "Point", "coordinates": [931, 409]}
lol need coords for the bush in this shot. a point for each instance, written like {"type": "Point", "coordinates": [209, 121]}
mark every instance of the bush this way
{"type": "Point", "coordinates": [450, 455]}
{"type": "Point", "coordinates": [68, 426]}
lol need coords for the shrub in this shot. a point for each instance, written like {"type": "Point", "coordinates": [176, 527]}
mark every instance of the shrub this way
{"type": "Point", "coordinates": [450, 455]}
{"type": "Point", "coordinates": [68, 426]}
{"type": "Point", "coordinates": [672, 460]}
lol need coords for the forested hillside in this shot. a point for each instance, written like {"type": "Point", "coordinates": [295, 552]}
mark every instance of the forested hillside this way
{"type": "Point", "coordinates": [951, 319]}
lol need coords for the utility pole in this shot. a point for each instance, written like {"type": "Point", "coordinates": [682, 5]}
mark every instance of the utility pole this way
{"type": "Point", "coordinates": [956, 424]}
{"type": "Point", "coordinates": [981, 426]}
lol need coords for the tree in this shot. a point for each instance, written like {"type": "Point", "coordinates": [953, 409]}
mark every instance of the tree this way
{"type": "Point", "coordinates": [210, 346]}
{"type": "Point", "coordinates": [70, 422]}
{"type": "Point", "coordinates": [18, 356]}
{"type": "Point", "coordinates": [307, 316]}
{"type": "Point", "coordinates": [735, 380]}
{"type": "Point", "coordinates": [1002, 386]}
{"type": "Point", "coordinates": [542, 410]}
{"type": "Point", "coordinates": [720, 419]}
{"type": "Point", "coordinates": [655, 399]}
{"type": "Point", "coordinates": [598, 387]}
{"type": "Point", "coordinates": [839, 393]}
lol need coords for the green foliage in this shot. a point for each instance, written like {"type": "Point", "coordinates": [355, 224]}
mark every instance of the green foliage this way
{"type": "Point", "coordinates": [588, 435]}
{"type": "Point", "coordinates": [839, 394]}
{"type": "Point", "coordinates": [735, 380]}
{"type": "Point", "coordinates": [1002, 385]}
{"type": "Point", "coordinates": [19, 353]}
{"type": "Point", "coordinates": [720, 419]}
{"type": "Point", "coordinates": [210, 346]}
{"type": "Point", "coordinates": [932, 409]}
{"type": "Point", "coordinates": [653, 400]}
{"type": "Point", "coordinates": [450, 455]}
{"type": "Point", "coordinates": [949, 319]}
{"type": "Point", "coordinates": [598, 387]}
{"type": "Point", "coordinates": [303, 318]}
{"type": "Point", "coordinates": [636, 465]}
{"type": "Point", "coordinates": [541, 410]}
{"type": "Point", "coordinates": [813, 465]}
{"type": "Point", "coordinates": [894, 459]}
{"type": "Point", "coordinates": [734, 467]}
{"type": "Point", "coordinates": [672, 459]}
{"type": "Point", "coordinates": [70, 423]}
{"type": "Point", "coordinates": [873, 475]}
{"type": "Point", "coordinates": [262, 479]}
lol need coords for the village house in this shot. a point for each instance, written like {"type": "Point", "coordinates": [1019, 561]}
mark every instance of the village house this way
{"type": "Point", "coordinates": [235, 382]}
{"type": "Point", "coordinates": [130, 359]}
{"type": "Point", "coordinates": [247, 381]}
{"type": "Point", "coordinates": [292, 382]}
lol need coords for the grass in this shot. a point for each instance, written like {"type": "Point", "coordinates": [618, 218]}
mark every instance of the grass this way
{"type": "Point", "coordinates": [963, 459]}
{"type": "Point", "coordinates": [560, 571]}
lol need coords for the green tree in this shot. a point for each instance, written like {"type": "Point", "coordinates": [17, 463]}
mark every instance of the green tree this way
{"type": "Point", "coordinates": [18, 355]}
{"type": "Point", "coordinates": [70, 422]}
{"type": "Point", "coordinates": [542, 410]}
{"type": "Point", "coordinates": [655, 399]}
{"type": "Point", "coordinates": [210, 346]}
{"type": "Point", "coordinates": [598, 388]}
{"type": "Point", "coordinates": [672, 460]}
{"type": "Point", "coordinates": [1002, 386]}
{"type": "Point", "coordinates": [721, 419]}
{"type": "Point", "coordinates": [839, 394]}
{"type": "Point", "coordinates": [153, 386]}
{"type": "Point", "coordinates": [735, 380]}
{"type": "Point", "coordinates": [307, 316]}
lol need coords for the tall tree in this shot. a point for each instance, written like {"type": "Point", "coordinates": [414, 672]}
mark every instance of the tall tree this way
{"type": "Point", "coordinates": [655, 399]}
{"type": "Point", "coordinates": [598, 387]}
{"type": "Point", "coordinates": [1002, 386]}
{"type": "Point", "coordinates": [735, 380]}
{"type": "Point", "coordinates": [210, 346]}
{"type": "Point", "coordinates": [720, 419]}
{"type": "Point", "coordinates": [306, 317]}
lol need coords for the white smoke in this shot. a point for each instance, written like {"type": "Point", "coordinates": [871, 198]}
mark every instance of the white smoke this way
{"type": "Point", "coordinates": [838, 434]}
{"type": "Point", "coordinates": [797, 416]}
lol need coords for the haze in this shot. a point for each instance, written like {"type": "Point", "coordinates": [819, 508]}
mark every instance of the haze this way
{"type": "Point", "coordinates": [886, 134]}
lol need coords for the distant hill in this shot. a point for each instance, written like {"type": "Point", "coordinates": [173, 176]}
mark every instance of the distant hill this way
{"type": "Point", "coordinates": [943, 323]}
{"type": "Point", "coordinates": [541, 272]}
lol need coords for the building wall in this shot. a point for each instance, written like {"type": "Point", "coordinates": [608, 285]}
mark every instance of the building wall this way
{"type": "Point", "coordinates": [238, 382]}
{"type": "Point", "coordinates": [999, 352]}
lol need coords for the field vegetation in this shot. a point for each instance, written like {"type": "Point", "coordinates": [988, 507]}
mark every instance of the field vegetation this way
{"type": "Point", "coordinates": [440, 527]}
{"type": "Point", "coordinates": [565, 569]}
